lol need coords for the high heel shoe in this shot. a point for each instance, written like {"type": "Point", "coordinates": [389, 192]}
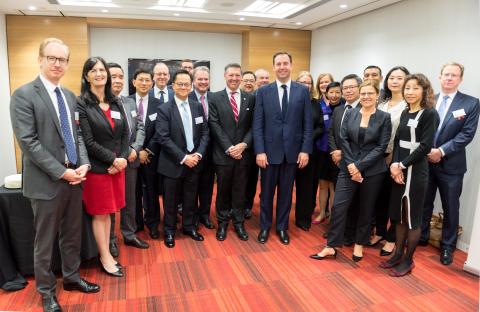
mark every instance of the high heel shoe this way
{"type": "Point", "coordinates": [317, 257]}
{"type": "Point", "coordinates": [384, 253]}
{"type": "Point", "coordinates": [118, 265]}
{"type": "Point", "coordinates": [370, 244]}
{"type": "Point", "coordinates": [357, 258]}
{"type": "Point", "coordinates": [117, 273]}
{"type": "Point", "coordinates": [319, 221]}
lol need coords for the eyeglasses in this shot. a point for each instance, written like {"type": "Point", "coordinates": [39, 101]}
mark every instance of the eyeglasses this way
{"type": "Point", "coordinates": [349, 87]}
{"type": "Point", "coordinates": [183, 85]}
{"type": "Point", "coordinates": [53, 59]}
{"type": "Point", "coordinates": [249, 80]}
{"type": "Point", "coordinates": [369, 94]}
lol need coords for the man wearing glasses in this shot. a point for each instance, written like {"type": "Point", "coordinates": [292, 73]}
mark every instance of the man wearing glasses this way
{"type": "Point", "coordinates": [55, 163]}
{"type": "Point", "coordinates": [182, 131]}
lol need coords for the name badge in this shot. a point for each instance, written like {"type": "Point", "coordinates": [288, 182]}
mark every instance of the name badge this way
{"type": "Point", "coordinates": [458, 113]}
{"type": "Point", "coordinates": [134, 114]}
{"type": "Point", "coordinates": [77, 116]}
{"type": "Point", "coordinates": [152, 117]}
{"type": "Point", "coordinates": [326, 117]}
{"type": "Point", "coordinates": [412, 123]}
{"type": "Point", "coordinates": [115, 115]}
{"type": "Point", "coordinates": [198, 120]}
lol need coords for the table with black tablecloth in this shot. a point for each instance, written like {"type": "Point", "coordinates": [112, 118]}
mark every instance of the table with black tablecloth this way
{"type": "Point", "coordinates": [17, 236]}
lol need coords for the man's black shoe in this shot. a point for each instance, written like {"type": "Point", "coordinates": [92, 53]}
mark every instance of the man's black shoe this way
{"type": "Point", "coordinates": [82, 286]}
{"type": "Point", "coordinates": [154, 233]}
{"type": "Point", "coordinates": [283, 236]}
{"type": "Point", "coordinates": [136, 242]}
{"type": "Point", "coordinates": [194, 235]}
{"type": "Point", "coordinates": [50, 304]}
{"type": "Point", "coordinates": [241, 233]}
{"type": "Point", "coordinates": [221, 233]}
{"type": "Point", "coordinates": [169, 240]}
{"type": "Point", "coordinates": [263, 236]}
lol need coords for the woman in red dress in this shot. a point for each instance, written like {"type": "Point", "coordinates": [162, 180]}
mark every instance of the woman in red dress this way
{"type": "Point", "coordinates": [105, 132]}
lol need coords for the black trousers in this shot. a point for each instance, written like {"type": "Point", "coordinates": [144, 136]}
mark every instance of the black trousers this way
{"type": "Point", "coordinates": [344, 195]}
{"type": "Point", "coordinates": [205, 190]}
{"type": "Point", "coordinates": [231, 184]}
{"type": "Point", "coordinates": [380, 218]}
{"type": "Point", "coordinates": [147, 196]}
{"type": "Point", "coordinates": [176, 190]}
{"type": "Point", "coordinates": [251, 189]}
{"type": "Point", "coordinates": [306, 184]}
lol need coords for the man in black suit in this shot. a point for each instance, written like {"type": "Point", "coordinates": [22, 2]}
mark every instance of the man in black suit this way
{"type": "Point", "coordinates": [136, 139]}
{"type": "Point", "coordinates": [182, 131]}
{"type": "Point", "coordinates": [147, 183]}
{"type": "Point", "coordinates": [200, 94]}
{"type": "Point", "coordinates": [231, 115]}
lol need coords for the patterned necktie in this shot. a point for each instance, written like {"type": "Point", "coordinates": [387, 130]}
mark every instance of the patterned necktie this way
{"type": "Point", "coordinates": [66, 131]}
{"type": "Point", "coordinates": [162, 98]}
{"type": "Point", "coordinates": [234, 106]}
{"type": "Point", "coordinates": [202, 100]}
{"type": "Point", "coordinates": [187, 126]}
{"type": "Point", "coordinates": [140, 109]}
{"type": "Point", "coordinates": [442, 111]}
{"type": "Point", "coordinates": [284, 101]}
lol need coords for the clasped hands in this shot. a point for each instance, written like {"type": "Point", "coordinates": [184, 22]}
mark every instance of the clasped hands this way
{"type": "Point", "coordinates": [396, 173]}
{"type": "Point", "coordinates": [435, 155]}
{"type": "Point", "coordinates": [75, 176]}
{"type": "Point", "coordinates": [119, 164]}
{"type": "Point", "coordinates": [236, 151]}
{"type": "Point", "coordinates": [191, 160]}
{"type": "Point", "coordinates": [355, 173]}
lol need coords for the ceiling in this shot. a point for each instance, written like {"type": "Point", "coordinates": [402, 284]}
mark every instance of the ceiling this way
{"type": "Point", "coordinates": [292, 14]}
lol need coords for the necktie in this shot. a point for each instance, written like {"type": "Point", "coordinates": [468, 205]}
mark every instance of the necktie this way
{"type": "Point", "coordinates": [65, 126]}
{"type": "Point", "coordinates": [187, 126]}
{"type": "Point", "coordinates": [202, 100]}
{"type": "Point", "coordinates": [442, 111]}
{"type": "Point", "coordinates": [284, 101]}
{"type": "Point", "coordinates": [234, 106]}
{"type": "Point", "coordinates": [140, 108]}
{"type": "Point", "coordinates": [162, 98]}
{"type": "Point", "coordinates": [347, 107]}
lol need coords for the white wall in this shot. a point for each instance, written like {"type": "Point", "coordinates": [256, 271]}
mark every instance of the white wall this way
{"type": "Point", "coordinates": [117, 45]}
{"type": "Point", "coordinates": [7, 148]}
{"type": "Point", "coordinates": [421, 35]}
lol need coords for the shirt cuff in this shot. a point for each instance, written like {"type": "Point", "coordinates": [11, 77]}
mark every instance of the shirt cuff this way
{"type": "Point", "coordinates": [183, 160]}
{"type": "Point", "coordinates": [228, 150]}
{"type": "Point", "coordinates": [441, 151]}
{"type": "Point", "coordinates": [200, 155]}
{"type": "Point", "coordinates": [402, 165]}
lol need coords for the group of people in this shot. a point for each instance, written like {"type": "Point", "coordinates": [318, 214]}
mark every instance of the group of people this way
{"type": "Point", "coordinates": [375, 157]}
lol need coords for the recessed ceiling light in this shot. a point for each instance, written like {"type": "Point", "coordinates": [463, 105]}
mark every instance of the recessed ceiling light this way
{"type": "Point", "coordinates": [343, 6]}
{"type": "Point", "coordinates": [242, 18]}
{"type": "Point", "coordinates": [176, 14]}
{"type": "Point", "coordinates": [104, 11]}
{"type": "Point", "coordinates": [298, 23]}
{"type": "Point", "coordinates": [32, 8]}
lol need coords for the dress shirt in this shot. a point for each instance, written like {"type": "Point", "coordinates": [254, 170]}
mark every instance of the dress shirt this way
{"type": "Point", "coordinates": [145, 105]}
{"type": "Point", "coordinates": [280, 91]}
{"type": "Point", "coordinates": [179, 102]}
{"type": "Point", "coordinates": [237, 97]}
{"type": "Point", "coordinates": [156, 92]}
{"type": "Point", "coordinates": [205, 99]}
{"type": "Point", "coordinates": [437, 106]}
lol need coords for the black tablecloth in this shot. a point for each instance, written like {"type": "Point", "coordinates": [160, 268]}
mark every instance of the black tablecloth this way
{"type": "Point", "coordinates": [16, 230]}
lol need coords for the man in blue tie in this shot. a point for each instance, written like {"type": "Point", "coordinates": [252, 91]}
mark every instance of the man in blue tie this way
{"type": "Point", "coordinates": [282, 135]}
{"type": "Point", "coordinates": [458, 122]}
{"type": "Point", "coordinates": [55, 162]}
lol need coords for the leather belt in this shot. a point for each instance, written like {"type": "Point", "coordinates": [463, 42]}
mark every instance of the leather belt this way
{"type": "Point", "coordinates": [69, 165]}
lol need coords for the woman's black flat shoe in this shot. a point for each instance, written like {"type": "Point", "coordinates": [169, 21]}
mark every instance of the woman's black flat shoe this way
{"type": "Point", "coordinates": [317, 257]}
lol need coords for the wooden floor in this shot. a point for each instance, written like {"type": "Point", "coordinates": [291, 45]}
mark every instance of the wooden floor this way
{"type": "Point", "coordinates": [247, 276]}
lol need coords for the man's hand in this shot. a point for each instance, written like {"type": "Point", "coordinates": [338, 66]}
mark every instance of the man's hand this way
{"type": "Point", "coordinates": [435, 155]}
{"type": "Point", "coordinates": [132, 156]}
{"type": "Point", "coordinates": [72, 177]}
{"type": "Point", "coordinates": [82, 170]}
{"type": "Point", "coordinates": [191, 160]}
{"type": "Point", "coordinates": [144, 157]}
{"type": "Point", "coordinates": [357, 177]}
{"type": "Point", "coordinates": [236, 151]}
{"type": "Point", "coordinates": [336, 156]}
{"type": "Point", "coordinates": [302, 160]}
{"type": "Point", "coordinates": [262, 161]}
{"type": "Point", "coordinates": [352, 169]}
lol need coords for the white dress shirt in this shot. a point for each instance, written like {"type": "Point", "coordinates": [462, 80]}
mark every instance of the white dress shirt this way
{"type": "Point", "coordinates": [156, 92]}
{"type": "Point", "coordinates": [449, 102]}
{"type": "Point", "coordinates": [280, 91]}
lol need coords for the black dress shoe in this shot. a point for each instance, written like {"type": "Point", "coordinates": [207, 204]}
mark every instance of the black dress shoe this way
{"type": "Point", "coordinates": [384, 253]}
{"type": "Point", "coordinates": [50, 304]}
{"type": "Point", "coordinates": [317, 257]}
{"type": "Point", "coordinates": [248, 214]}
{"type": "Point", "coordinates": [169, 240]}
{"type": "Point", "coordinates": [302, 227]}
{"type": "Point", "coordinates": [207, 223]}
{"type": "Point", "coordinates": [446, 257]}
{"type": "Point", "coordinates": [194, 235]}
{"type": "Point", "coordinates": [423, 242]}
{"type": "Point", "coordinates": [283, 236]}
{"type": "Point", "coordinates": [82, 286]}
{"type": "Point", "coordinates": [113, 249]}
{"type": "Point", "coordinates": [117, 273]}
{"type": "Point", "coordinates": [136, 242]}
{"type": "Point", "coordinates": [221, 233]}
{"type": "Point", "coordinates": [263, 236]}
{"type": "Point", "coordinates": [241, 233]}
{"type": "Point", "coordinates": [154, 233]}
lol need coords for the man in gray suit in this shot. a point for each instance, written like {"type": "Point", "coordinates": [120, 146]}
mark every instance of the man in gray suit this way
{"type": "Point", "coordinates": [137, 137]}
{"type": "Point", "coordinates": [55, 163]}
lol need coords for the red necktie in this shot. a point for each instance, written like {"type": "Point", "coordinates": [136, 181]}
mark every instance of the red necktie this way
{"type": "Point", "coordinates": [234, 106]}
{"type": "Point", "coordinates": [202, 100]}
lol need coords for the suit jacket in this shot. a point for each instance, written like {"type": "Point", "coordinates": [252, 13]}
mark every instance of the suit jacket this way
{"type": "Point", "coordinates": [334, 130]}
{"type": "Point", "coordinates": [282, 138]}
{"type": "Point", "coordinates": [103, 143]}
{"type": "Point", "coordinates": [136, 127]}
{"type": "Point", "coordinates": [169, 90]}
{"type": "Point", "coordinates": [318, 122]}
{"type": "Point", "coordinates": [171, 135]}
{"type": "Point", "coordinates": [37, 129]}
{"type": "Point", "coordinates": [226, 132]}
{"type": "Point", "coordinates": [456, 133]}
{"type": "Point", "coordinates": [149, 123]}
{"type": "Point", "coordinates": [368, 156]}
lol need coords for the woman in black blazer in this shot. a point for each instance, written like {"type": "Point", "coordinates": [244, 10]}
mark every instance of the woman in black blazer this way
{"type": "Point", "coordinates": [364, 136]}
{"type": "Point", "coordinates": [105, 132]}
{"type": "Point", "coordinates": [306, 182]}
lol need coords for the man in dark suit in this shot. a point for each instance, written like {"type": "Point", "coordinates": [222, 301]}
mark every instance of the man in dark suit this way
{"type": "Point", "coordinates": [147, 194]}
{"type": "Point", "coordinates": [231, 113]}
{"type": "Point", "coordinates": [55, 163]}
{"type": "Point", "coordinates": [458, 114]}
{"type": "Point", "coordinates": [161, 76]}
{"type": "Point", "coordinates": [182, 132]}
{"type": "Point", "coordinates": [282, 132]}
{"type": "Point", "coordinates": [136, 139]}
{"type": "Point", "coordinates": [200, 94]}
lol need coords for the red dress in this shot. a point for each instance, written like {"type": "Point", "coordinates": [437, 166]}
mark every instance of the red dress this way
{"type": "Point", "coordinates": [104, 193]}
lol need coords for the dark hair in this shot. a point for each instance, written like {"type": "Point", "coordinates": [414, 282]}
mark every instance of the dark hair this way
{"type": "Point", "coordinates": [114, 65]}
{"type": "Point", "coordinates": [86, 93]}
{"type": "Point", "coordinates": [232, 65]}
{"type": "Point", "coordinates": [281, 53]}
{"type": "Point", "coordinates": [142, 70]}
{"type": "Point", "coordinates": [251, 73]}
{"type": "Point", "coordinates": [334, 84]}
{"type": "Point", "coordinates": [428, 99]}
{"type": "Point", "coordinates": [181, 72]}
{"type": "Point", "coordinates": [387, 95]}
{"type": "Point", "coordinates": [373, 66]}
{"type": "Point", "coordinates": [351, 76]}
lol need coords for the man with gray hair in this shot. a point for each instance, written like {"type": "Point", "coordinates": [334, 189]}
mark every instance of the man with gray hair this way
{"type": "Point", "coordinates": [262, 77]}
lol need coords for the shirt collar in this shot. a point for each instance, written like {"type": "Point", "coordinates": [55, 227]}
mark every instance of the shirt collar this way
{"type": "Point", "coordinates": [230, 91]}
{"type": "Point", "coordinates": [48, 85]}
{"type": "Point", "coordinates": [288, 83]}
{"type": "Point", "coordinates": [157, 90]}
{"type": "Point", "coordinates": [138, 97]}
{"type": "Point", "coordinates": [450, 95]}
{"type": "Point", "coordinates": [353, 104]}
{"type": "Point", "coordinates": [179, 101]}
{"type": "Point", "coordinates": [199, 95]}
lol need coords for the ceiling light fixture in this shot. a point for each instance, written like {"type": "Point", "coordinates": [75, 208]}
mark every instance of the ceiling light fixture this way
{"type": "Point", "coordinates": [343, 6]}
{"type": "Point", "coordinates": [89, 3]}
{"type": "Point", "coordinates": [270, 9]}
{"type": "Point", "coordinates": [298, 23]}
{"type": "Point", "coordinates": [242, 18]}
{"type": "Point", "coordinates": [176, 14]}
{"type": "Point", "coordinates": [104, 11]}
{"type": "Point", "coordinates": [32, 8]}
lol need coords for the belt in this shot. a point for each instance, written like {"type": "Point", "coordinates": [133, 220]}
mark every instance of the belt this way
{"type": "Point", "coordinates": [69, 165]}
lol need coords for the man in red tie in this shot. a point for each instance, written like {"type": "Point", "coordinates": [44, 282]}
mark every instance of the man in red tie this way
{"type": "Point", "coordinates": [230, 121]}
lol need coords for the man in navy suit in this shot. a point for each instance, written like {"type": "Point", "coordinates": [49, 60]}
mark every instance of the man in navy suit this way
{"type": "Point", "coordinates": [182, 132]}
{"type": "Point", "coordinates": [458, 122]}
{"type": "Point", "coordinates": [147, 181]}
{"type": "Point", "coordinates": [282, 132]}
